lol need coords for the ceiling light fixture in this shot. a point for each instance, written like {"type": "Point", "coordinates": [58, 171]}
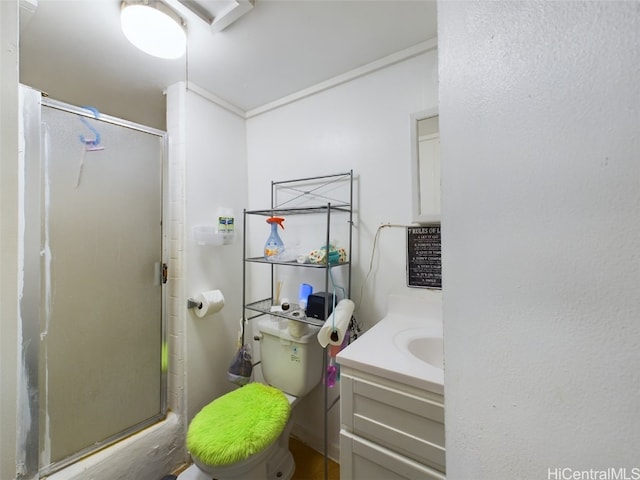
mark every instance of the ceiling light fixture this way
{"type": "Point", "coordinates": [154, 28]}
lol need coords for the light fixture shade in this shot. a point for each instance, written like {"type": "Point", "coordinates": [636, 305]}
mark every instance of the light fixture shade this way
{"type": "Point", "coordinates": [154, 29]}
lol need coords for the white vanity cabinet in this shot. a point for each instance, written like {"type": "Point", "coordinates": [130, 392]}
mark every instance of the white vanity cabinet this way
{"type": "Point", "coordinates": [389, 430]}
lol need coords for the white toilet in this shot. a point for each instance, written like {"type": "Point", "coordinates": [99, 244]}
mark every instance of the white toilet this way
{"type": "Point", "coordinates": [291, 364]}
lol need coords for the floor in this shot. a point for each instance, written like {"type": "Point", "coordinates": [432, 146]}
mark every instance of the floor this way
{"type": "Point", "coordinates": [310, 464]}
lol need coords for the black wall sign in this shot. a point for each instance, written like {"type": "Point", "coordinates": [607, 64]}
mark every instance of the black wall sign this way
{"type": "Point", "coordinates": [424, 258]}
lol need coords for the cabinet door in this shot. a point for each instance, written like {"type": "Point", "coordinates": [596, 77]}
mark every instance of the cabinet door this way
{"type": "Point", "coordinates": [407, 424]}
{"type": "Point", "coordinates": [361, 459]}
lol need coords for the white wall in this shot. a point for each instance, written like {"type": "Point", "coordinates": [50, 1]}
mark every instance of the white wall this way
{"type": "Point", "coordinates": [8, 234]}
{"type": "Point", "coordinates": [539, 119]}
{"type": "Point", "coordinates": [361, 125]}
{"type": "Point", "coordinates": [215, 176]}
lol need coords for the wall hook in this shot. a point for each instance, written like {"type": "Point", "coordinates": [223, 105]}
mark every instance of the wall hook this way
{"type": "Point", "coordinates": [91, 144]}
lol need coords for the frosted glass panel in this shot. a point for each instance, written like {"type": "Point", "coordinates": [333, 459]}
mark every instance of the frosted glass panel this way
{"type": "Point", "coordinates": [100, 371]}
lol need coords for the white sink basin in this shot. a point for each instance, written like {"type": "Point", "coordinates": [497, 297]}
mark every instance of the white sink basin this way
{"type": "Point", "coordinates": [405, 346]}
{"type": "Point", "coordinates": [400, 349]}
{"type": "Point", "coordinates": [421, 344]}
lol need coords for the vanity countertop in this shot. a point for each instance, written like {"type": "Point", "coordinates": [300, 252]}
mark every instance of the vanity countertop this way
{"type": "Point", "coordinates": [396, 348]}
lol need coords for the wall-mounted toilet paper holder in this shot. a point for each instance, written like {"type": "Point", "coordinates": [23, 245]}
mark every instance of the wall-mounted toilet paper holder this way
{"type": "Point", "coordinates": [191, 303]}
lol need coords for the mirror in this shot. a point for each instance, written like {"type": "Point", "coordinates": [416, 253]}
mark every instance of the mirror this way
{"type": "Point", "coordinates": [425, 161]}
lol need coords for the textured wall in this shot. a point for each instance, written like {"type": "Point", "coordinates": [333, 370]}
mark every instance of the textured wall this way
{"type": "Point", "coordinates": [539, 117]}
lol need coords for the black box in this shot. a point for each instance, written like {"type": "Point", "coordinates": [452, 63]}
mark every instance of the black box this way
{"type": "Point", "coordinates": [316, 305]}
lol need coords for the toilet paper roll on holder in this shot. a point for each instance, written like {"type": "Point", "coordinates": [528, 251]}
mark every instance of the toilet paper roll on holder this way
{"type": "Point", "coordinates": [206, 303]}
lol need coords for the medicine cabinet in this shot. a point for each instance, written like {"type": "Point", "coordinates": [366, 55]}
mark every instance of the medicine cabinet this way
{"type": "Point", "coordinates": [425, 163]}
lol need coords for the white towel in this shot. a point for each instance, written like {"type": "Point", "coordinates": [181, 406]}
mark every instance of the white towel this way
{"type": "Point", "coordinates": [337, 323]}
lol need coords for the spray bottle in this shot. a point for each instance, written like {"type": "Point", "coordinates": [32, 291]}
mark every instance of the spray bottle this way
{"type": "Point", "coordinates": [274, 247]}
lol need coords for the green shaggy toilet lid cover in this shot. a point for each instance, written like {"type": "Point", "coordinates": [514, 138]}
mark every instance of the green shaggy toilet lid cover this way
{"type": "Point", "coordinates": [238, 424]}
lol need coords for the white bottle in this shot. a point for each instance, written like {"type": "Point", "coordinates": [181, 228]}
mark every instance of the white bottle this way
{"type": "Point", "coordinates": [225, 225]}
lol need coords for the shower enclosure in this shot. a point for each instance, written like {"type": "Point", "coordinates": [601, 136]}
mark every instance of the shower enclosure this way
{"type": "Point", "coordinates": [92, 304]}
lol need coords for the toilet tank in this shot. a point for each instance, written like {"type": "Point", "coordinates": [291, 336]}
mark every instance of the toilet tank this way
{"type": "Point", "coordinates": [292, 364]}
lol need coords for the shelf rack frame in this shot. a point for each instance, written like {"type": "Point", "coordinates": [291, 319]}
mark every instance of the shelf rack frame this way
{"type": "Point", "coordinates": [324, 194]}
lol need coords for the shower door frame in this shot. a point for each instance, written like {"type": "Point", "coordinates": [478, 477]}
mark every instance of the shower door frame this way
{"type": "Point", "coordinates": [29, 448]}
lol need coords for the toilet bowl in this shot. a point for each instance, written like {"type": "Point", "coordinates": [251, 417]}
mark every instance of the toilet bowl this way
{"type": "Point", "coordinates": [292, 367]}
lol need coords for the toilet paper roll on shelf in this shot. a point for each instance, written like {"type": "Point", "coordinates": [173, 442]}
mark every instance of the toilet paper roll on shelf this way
{"type": "Point", "coordinates": [207, 303]}
{"type": "Point", "coordinates": [337, 325]}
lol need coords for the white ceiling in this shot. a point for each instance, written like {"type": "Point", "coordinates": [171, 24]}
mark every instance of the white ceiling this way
{"type": "Point", "coordinates": [278, 48]}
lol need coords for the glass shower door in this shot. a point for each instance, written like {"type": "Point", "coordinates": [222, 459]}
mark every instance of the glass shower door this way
{"type": "Point", "coordinates": [101, 324]}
